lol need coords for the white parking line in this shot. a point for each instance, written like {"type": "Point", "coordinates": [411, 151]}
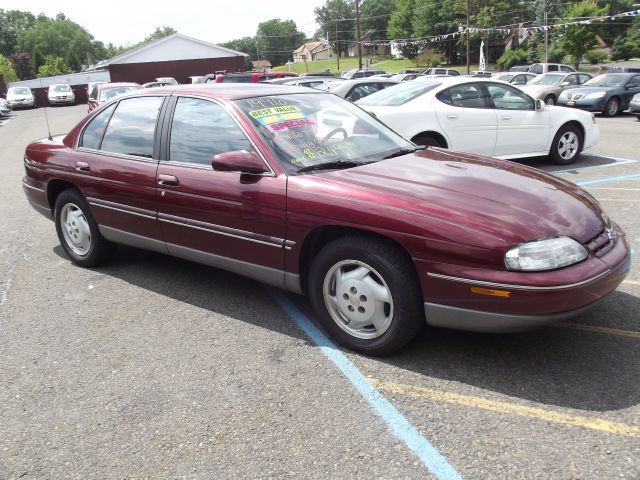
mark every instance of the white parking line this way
{"type": "Point", "coordinates": [617, 161]}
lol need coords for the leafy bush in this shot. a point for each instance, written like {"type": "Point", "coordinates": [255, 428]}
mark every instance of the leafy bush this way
{"type": "Point", "coordinates": [555, 53]}
{"type": "Point", "coordinates": [513, 57]}
{"type": "Point", "coordinates": [595, 56]}
{"type": "Point", "coordinates": [6, 70]}
{"type": "Point", "coordinates": [429, 58]}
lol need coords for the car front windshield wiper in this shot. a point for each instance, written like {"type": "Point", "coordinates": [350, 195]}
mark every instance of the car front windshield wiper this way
{"type": "Point", "coordinates": [332, 165]}
{"type": "Point", "coordinates": [403, 151]}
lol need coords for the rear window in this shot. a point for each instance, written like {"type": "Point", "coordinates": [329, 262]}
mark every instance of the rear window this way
{"type": "Point", "coordinates": [399, 94]}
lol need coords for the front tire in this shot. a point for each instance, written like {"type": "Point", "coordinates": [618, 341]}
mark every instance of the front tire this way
{"type": "Point", "coordinates": [567, 145]}
{"type": "Point", "coordinates": [550, 100]}
{"type": "Point", "coordinates": [366, 294]}
{"type": "Point", "coordinates": [611, 107]}
{"type": "Point", "coordinates": [78, 232]}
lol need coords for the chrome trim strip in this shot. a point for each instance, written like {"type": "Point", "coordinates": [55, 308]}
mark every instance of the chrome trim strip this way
{"type": "Point", "coordinates": [270, 276]}
{"type": "Point", "coordinates": [122, 156]}
{"type": "Point", "coordinates": [515, 287]}
{"type": "Point", "coordinates": [221, 230]}
{"type": "Point", "coordinates": [118, 207]}
{"type": "Point", "coordinates": [289, 245]}
{"type": "Point", "coordinates": [31, 187]}
{"type": "Point", "coordinates": [133, 240]}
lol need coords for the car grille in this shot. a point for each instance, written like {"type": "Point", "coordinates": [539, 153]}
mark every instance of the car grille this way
{"type": "Point", "coordinates": [602, 243]}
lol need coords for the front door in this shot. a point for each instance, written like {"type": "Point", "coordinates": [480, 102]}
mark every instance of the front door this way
{"type": "Point", "coordinates": [225, 219]}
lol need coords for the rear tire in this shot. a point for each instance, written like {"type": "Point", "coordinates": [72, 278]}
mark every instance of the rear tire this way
{"type": "Point", "coordinates": [428, 141]}
{"type": "Point", "coordinates": [567, 145]}
{"type": "Point", "coordinates": [366, 294]}
{"type": "Point", "coordinates": [78, 232]}
{"type": "Point", "coordinates": [611, 107]}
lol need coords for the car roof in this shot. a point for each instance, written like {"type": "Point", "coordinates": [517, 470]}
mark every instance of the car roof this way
{"type": "Point", "coordinates": [229, 91]}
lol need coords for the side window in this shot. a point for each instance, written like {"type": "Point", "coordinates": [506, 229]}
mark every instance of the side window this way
{"type": "Point", "coordinates": [573, 79]}
{"type": "Point", "coordinates": [537, 69]}
{"type": "Point", "coordinates": [552, 68]}
{"type": "Point", "coordinates": [200, 130]}
{"type": "Point", "coordinates": [634, 82]}
{"type": "Point", "coordinates": [132, 128]}
{"type": "Point", "coordinates": [360, 91]}
{"type": "Point", "coordinates": [468, 95]}
{"type": "Point", "coordinates": [564, 68]}
{"type": "Point", "coordinates": [93, 132]}
{"type": "Point", "coordinates": [519, 80]}
{"type": "Point", "coordinates": [507, 98]}
{"type": "Point", "coordinates": [94, 93]}
{"type": "Point", "coordinates": [441, 71]}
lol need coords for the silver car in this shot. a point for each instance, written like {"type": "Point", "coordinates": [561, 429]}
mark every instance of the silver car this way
{"type": "Point", "coordinates": [549, 86]}
{"type": "Point", "coordinates": [21, 97]}
{"type": "Point", "coordinates": [515, 78]}
{"type": "Point", "coordinates": [353, 90]}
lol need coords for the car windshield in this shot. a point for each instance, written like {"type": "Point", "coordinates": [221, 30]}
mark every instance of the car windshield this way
{"type": "Point", "coordinates": [606, 81]}
{"type": "Point", "coordinates": [109, 93]}
{"type": "Point", "coordinates": [505, 77]}
{"type": "Point", "coordinates": [60, 88]}
{"type": "Point", "coordinates": [19, 91]}
{"type": "Point", "coordinates": [399, 94]}
{"type": "Point", "coordinates": [547, 79]}
{"type": "Point", "coordinates": [317, 131]}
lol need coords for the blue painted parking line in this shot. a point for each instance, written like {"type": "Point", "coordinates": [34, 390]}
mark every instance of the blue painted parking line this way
{"type": "Point", "coordinates": [397, 423]}
{"type": "Point", "coordinates": [619, 178]}
{"type": "Point", "coordinates": [617, 162]}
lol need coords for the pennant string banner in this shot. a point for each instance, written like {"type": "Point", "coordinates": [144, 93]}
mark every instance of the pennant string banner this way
{"type": "Point", "coordinates": [493, 31]}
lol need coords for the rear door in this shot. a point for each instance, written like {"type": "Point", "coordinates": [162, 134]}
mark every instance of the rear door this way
{"type": "Point", "coordinates": [225, 219]}
{"type": "Point", "coordinates": [117, 158]}
{"type": "Point", "coordinates": [467, 119]}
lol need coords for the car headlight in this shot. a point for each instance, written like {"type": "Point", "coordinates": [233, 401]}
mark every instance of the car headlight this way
{"type": "Point", "coordinates": [636, 97]}
{"type": "Point", "coordinates": [595, 95]}
{"type": "Point", "coordinates": [545, 254]}
{"type": "Point", "coordinates": [563, 95]}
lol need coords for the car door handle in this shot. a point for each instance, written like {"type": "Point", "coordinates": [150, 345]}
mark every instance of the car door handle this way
{"type": "Point", "coordinates": [452, 116]}
{"type": "Point", "coordinates": [167, 180]}
{"type": "Point", "coordinates": [82, 167]}
{"type": "Point", "coordinates": [507, 117]}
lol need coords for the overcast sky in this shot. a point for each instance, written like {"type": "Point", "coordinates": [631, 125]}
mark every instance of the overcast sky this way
{"type": "Point", "coordinates": [215, 21]}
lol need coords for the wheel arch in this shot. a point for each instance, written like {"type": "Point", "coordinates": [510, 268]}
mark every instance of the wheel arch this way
{"type": "Point", "coordinates": [432, 133]}
{"type": "Point", "coordinates": [321, 236]}
{"type": "Point", "coordinates": [55, 188]}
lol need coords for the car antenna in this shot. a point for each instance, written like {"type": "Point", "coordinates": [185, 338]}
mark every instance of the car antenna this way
{"type": "Point", "coordinates": [46, 116]}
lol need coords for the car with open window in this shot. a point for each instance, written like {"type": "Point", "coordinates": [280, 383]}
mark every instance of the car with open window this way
{"type": "Point", "coordinates": [305, 191]}
{"type": "Point", "coordinates": [482, 116]}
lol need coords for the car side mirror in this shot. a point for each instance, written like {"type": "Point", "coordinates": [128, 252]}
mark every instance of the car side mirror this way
{"type": "Point", "coordinates": [239, 161]}
{"type": "Point", "coordinates": [540, 105]}
{"type": "Point", "coordinates": [564, 84]}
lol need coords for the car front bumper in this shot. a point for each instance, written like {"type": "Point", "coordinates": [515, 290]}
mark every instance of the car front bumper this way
{"type": "Point", "coordinates": [489, 306]}
{"type": "Point", "coordinates": [58, 100]}
{"type": "Point", "coordinates": [634, 107]}
{"type": "Point", "coordinates": [27, 102]}
{"type": "Point", "coordinates": [588, 104]}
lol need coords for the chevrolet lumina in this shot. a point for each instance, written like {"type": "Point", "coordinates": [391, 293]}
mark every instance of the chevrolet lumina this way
{"type": "Point", "coordinates": [303, 190]}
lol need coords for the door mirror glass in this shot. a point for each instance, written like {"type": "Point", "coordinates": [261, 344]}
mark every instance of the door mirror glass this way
{"type": "Point", "coordinates": [239, 161]}
{"type": "Point", "coordinates": [539, 105]}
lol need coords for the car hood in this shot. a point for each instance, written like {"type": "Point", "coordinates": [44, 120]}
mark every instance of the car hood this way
{"type": "Point", "coordinates": [587, 90]}
{"type": "Point", "coordinates": [476, 199]}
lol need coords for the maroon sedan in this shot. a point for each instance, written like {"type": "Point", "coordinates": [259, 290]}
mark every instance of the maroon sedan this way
{"type": "Point", "coordinates": [105, 92]}
{"type": "Point", "coordinates": [305, 191]}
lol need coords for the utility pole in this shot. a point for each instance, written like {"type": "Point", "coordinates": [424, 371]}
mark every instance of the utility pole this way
{"type": "Point", "coordinates": [337, 48]}
{"type": "Point", "coordinates": [546, 33]}
{"type": "Point", "coordinates": [358, 33]}
{"type": "Point", "coordinates": [468, 67]}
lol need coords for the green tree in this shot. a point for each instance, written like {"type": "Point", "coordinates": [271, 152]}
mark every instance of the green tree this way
{"type": "Point", "coordinates": [576, 40]}
{"type": "Point", "coordinates": [374, 18]}
{"type": "Point", "coordinates": [246, 45]}
{"type": "Point", "coordinates": [12, 22]}
{"type": "Point", "coordinates": [401, 27]}
{"type": "Point", "coordinates": [337, 18]}
{"type": "Point", "coordinates": [159, 32]}
{"type": "Point", "coordinates": [53, 66]}
{"type": "Point", "coordinates": [627, 46]}
{"type": "Point", "coordinates": [277, 39]}
{"type": "Point", "coordinates": [440, 17]}
{"type": "Point", "coordinates": [59, 38]}
{"type": "Point", "coordinates": [6, 69]}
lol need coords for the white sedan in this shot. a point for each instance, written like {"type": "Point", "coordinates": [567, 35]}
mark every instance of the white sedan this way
{"type": "Point", "coordinates": [482, 116]}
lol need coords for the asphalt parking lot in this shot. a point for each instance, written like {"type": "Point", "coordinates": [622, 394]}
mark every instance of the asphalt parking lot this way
{"type": "Point", "coordinates": [154, 367]}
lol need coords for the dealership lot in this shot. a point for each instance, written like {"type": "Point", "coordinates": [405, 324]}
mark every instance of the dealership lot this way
{"type": "Point", "coordinates": [156, 367]}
